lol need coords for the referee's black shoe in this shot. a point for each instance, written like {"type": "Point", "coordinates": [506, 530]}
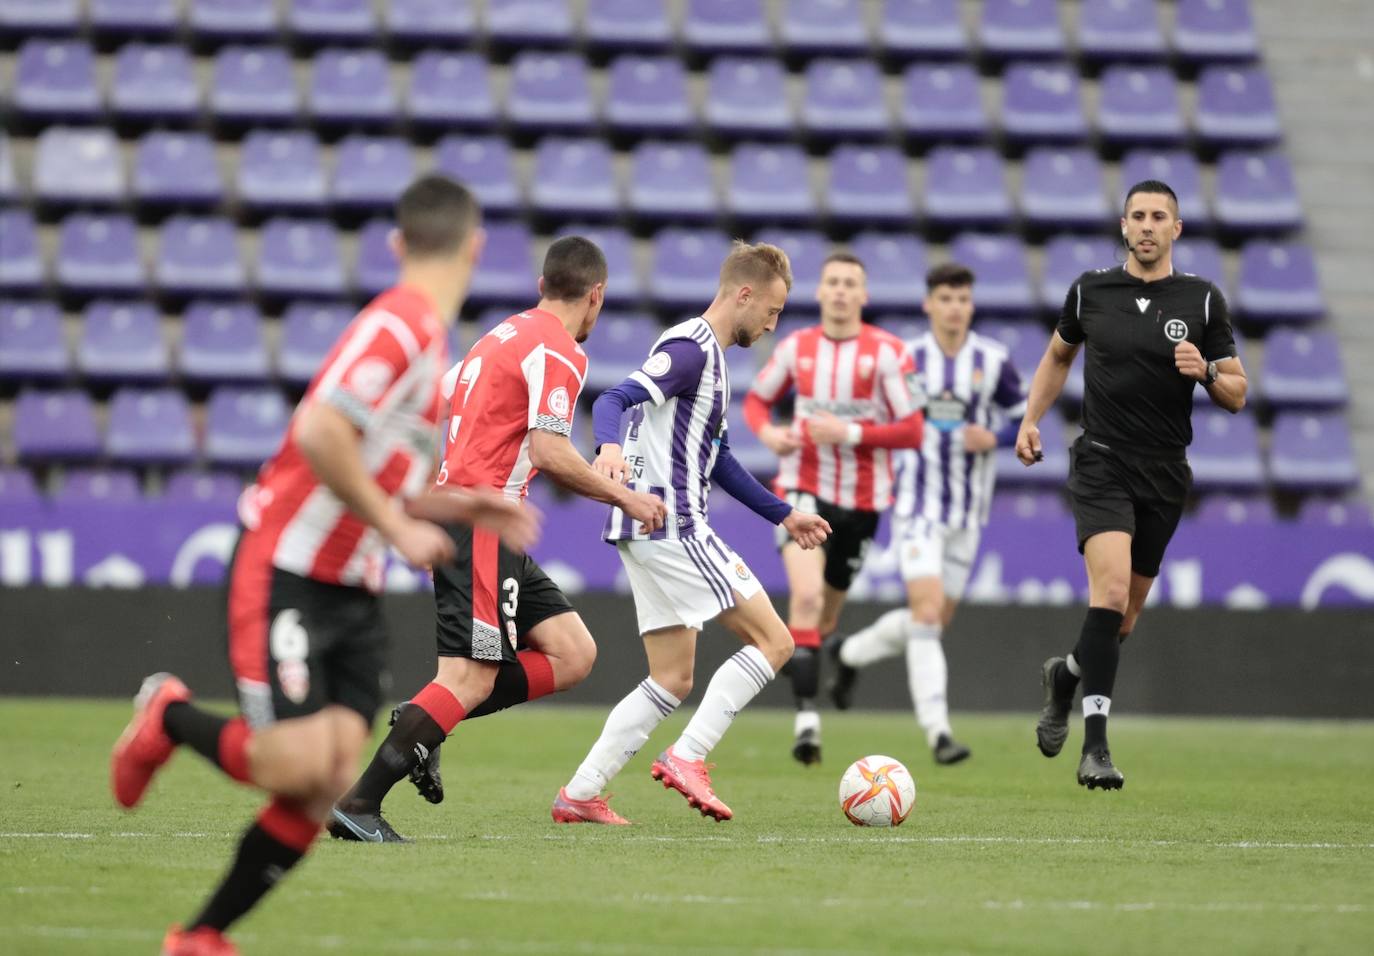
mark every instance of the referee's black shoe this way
{"type": "Point", "coordinates": [362, 828]}
{"type": "Point", "coordinates": [842, 676]}
{"type": "Point", "coordinates": [1053, 727]}
{"type": "Point", "coordinates": [1096, 771]}
{"type": "Point", "coordinates": [425, 774]}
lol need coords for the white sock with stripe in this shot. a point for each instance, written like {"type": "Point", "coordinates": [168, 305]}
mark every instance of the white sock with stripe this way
{"type": "Point", "coordinates": [884, 638]}
{"type": "Point", "coordinates": [734, 684]}
{"type": "Point", "coordinates": [928, 677]}
{"type": "Point", "coordinates": [627, 728]}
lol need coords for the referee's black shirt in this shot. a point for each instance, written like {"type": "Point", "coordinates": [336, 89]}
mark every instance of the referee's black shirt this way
{"type": "Point", "coordinates": [1133, 395]}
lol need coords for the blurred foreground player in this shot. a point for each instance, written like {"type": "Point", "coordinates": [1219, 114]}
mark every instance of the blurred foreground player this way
{"type": "Point", "coordinates": [306, 636]}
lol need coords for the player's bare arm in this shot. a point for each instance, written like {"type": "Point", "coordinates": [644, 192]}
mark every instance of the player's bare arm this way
{"type": "Point", "coordinates": [486, 508]}
{"type": "Point", "coordinates": [808, 530]}
{"type": "Point", "coordinates": [331, 445]}
{"type": "Point", "coordinates": [1228, 383]}
{"type": "Point", "coordinates": [1048, 382]}
{"type": "Point", "coordinates": [779, 439]}
{"type": "Point", "coordinates": [555, 455]}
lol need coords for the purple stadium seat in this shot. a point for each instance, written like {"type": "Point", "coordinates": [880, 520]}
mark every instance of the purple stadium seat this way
{"type": "Point", "coordinates": [1334, 512]}
{"type": "Point", "coordinates": [223, 342]}
{"type": "Point", "coordinates": [966, 185]}
{"type": "Point", "coordinates": [1028, 506]}
{"type": "Point", "coordinates": [726, 26]}
{"type": "Point", "coordinates": [806, 249]}
{"type": "Point", "coordinates": [1312, 452]}
{"type": "Point", "coordinates": [508, 270]}
{"type": "Point", "coordinates": [624, 286]}
{"type": "Point", "coordinates": [1063, 188]}
{"type": "Point", "coordinates": [150, 426]}
{"type": "Point", "coordinates": [1303, 368]}
{"type": "Point", "coordinates": [1226, 451]}
{"type": "Point", "coordinates": [686, 267]}
{"type": "Point", "coordinates": [618, 346]}
{"type": "Point", "coordinates": [299, 257]}
{"type": "Point", "coordinates": [868, 184]}
{"type": "Point", "coordinates": [1201, 257]}
{"type": "Point", "coordinates": [99, 254]}
{"type": "Point", "coordinates": [520, 23]}
{"type": "Point", "coordinates": [218, 20]}
{"type": "Point", "coordinates": [942, 101]}
{"type": "Point", "coordinates": [177, 169]}
{"type": "Point", "coordinates": [351, 87]}
{"type": "Point", "coordinates": [550, 91]}
{"type": "Point", "coordinates": [281, 170]}
{"type": "Point", "coordinates": [1256, 192]}
{"type": "Point", "coordinates": [16, 484]}
{"type": "Point", "coordinates": [332, 21]}
{"type": "Point", "coordinates": [55, 426]}
{"type": "Point", "coordinates": [925, 29]}
{"type": "Point", "coordinates": [908, 328]}
{"type": "Point", "coordinates": [671, 181]}
{"type": "Point", "coordinates": [104, 485]}
{"type": "Point", "coordinates": [448, 22]}
{"type": "Point", "coordinates": [574, 177]}
{"type": "Point", "coordinates": [371, 171]}
{"type": "Point", "coordinates": [1041, 101]}
{"type": "Point", "coordinates": [1231, 509]}
{"type": "Point", "coordinates": [376, 268]}
{"type": "Point", "coordinates": [747, 96]}
{"type": "Point", "coordinates": [896, 268]}
{"type": "Point", "coordinates": [154, 82]}
{"type": "Point", "coordinates": [1209, 30]}
{"type": "Point", "coordinates": [1025, 341]}
{"type": "Point", "coordinates": [55, 79]}
{"type": "Point", "coordinates": [21, 261]}
{"type": "Point", "coordinates": [78, 165]}
{"type": "Point", "coordinates": [648, 94]}
{"type": "Point", "coordinates": [485, 165]}
{"type": "Point", "coordinates": [450, 89]}
{"type": "Point", "coordinates": [122, 342]}
{"type": "Point", "coordinates": [253, 83]}
{"type": "Point", "coordinates": [1048, 474]}
{"type": "Point", "coordinates": [9, 183]}
{"type": "Point", "coordinates": [244, 426]}
{"type": "Point", "coordinates": [1068, 257]}
{"type": "Point", "coordinates": [1003, 274]}
{"type": "Point", "coordinates": [189, 484]}
{"type": "Point", "coordinates": [32, 17]}
{"type": "Point", "coordinates": [119, 17]}
{"type": "Point", "coordinates": [308, 331]}
{"type": "Point", "coordinates": [769, 183]}
{"type": "Point", "coordinates": [1120, 30]}
{"type": "Point", "coordinates": [627, 24]}
{"type": "Point", "coordinates": [199, 255]}
{"type": "Point", "coordinates": [824, 26]}
{"type": "Point", "coordinates": [1178, 168]}
{"type": "Point", "coordinates": [1235, 107]}
{"type": "Point", "coordinates": [1139, 104]}
{"type": "Point", "coordinates": [1020, 28]}
{"type": "Point", "coordinates": [32, 346]}
{"type": "Point", "coordinates": [1278, 282]}
{"type": "Point", "coordinates": [844, 99]}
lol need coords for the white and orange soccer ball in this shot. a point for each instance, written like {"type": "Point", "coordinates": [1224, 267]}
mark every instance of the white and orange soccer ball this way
{"type": "Point", "coordinates": [877, 791]}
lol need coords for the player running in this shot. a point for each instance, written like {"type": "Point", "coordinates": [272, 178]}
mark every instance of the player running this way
{"type": "Point", "coordinates": [306, 635]}
{"type": "Point", "coordinates": [505, 632]}
{"type": "Point", "coordinates": [975, 400]}
{"type": "Point", "coordinates": [854, 406]}
{"type": "Point", "coordinates": [683, 575]}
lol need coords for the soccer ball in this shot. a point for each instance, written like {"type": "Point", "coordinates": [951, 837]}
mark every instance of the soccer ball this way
{"type": "Point", "coordinates": [877, 791]}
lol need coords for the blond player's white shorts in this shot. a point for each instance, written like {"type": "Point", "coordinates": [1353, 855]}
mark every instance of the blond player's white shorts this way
{"type": "Point", "coordinates": [684, 582]}
{"type": "Point", "coordinates": [926, 549]}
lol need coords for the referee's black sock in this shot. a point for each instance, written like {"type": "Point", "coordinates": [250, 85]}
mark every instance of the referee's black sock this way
{"type": "Point", "coordinates": [419, 728]}
{"type": "Point", "coordinates": [1097, 654]}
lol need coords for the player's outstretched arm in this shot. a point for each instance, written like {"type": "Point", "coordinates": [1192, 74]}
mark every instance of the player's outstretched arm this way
{"type": "Point", "coordinates": [808, 530]}
{"type": "Point", "coordinates": [331, 445]}
{"type": "Point", "coordinates": [1048, 382]}
{"type": "Point", "coordinates": [517, 524]}
{"type": "Point", "coordinates": [555, 456]}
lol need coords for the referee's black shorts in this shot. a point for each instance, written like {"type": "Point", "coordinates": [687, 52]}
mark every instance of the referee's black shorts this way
{"type": "Point", "coordinates": [1113, 489]}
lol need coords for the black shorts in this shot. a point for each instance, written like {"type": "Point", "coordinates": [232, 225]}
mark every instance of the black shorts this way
{"type": "Point", "coordinates": [1112, 489]}
{"type": "Point", "coordinates": [297, 645]}
{"type": "Point", "coordinates": [489, 598]}
{"type": "Point", "coordinates": [851, 533]}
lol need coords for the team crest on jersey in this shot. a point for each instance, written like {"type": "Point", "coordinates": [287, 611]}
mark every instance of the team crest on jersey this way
{"type": "Point", "coordinates": [1175, 330]}
{"type": "Point", "coordinates": [866, 363]}
{"type": "Point", "coordinates": [510, 633]}
{"type": "Point", "coordinates": [658, 364]}
{"type": "Point", "coordinates": [558, 402]}
{"type": "Point", "coordinates": [369, 379]}
{"type": "Point", "coordinates": [741, 571]}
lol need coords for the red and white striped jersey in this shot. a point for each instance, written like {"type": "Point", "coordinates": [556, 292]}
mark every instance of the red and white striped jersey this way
{"type": "Point", "coordinates": [524, 374]}
{"type": "Point", "coordinates": [866, 379]}
{"type": "Point", "coordinates": [383, 374]}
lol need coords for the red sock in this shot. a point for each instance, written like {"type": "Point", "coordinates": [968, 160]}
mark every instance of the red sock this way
{"type": "Point", "coordinates": [443, 708]}
{"type": "Point", "coordinates": [284, 821]}
{"type": "Point", "coordinates": [538, 673]}
{"type": "Point", "coordinates": [806, 636]}
{"type": "Point", "coordinates": [233, 749]}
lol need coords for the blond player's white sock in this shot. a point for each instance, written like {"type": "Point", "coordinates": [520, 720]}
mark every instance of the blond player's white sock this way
{"type": "Point", "coordinates": [734, 684]}
{"type": "Point", "coordinates": [627, 728]}
{"type": "Point", "coordinates": [884, 638]}
{"type": "Point", "coordinates": [928, 677]}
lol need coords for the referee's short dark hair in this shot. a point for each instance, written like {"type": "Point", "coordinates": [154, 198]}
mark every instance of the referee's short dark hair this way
{"type": "Point", "coordinates": [1151, 186]}
{"type": "Point", "coordinates": [571, 267]}
{"type": "Point", "coordinates": [949, 273]}
{"type": "Point", "coordinates": [436, 215]}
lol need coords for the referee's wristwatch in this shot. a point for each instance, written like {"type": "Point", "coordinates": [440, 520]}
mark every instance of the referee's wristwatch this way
{"type": "Point", "coordinates": [1212, 373]}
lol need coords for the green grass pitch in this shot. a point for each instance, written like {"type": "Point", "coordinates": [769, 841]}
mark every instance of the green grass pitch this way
{"type": "Point", "coordinates": [1230, 837]}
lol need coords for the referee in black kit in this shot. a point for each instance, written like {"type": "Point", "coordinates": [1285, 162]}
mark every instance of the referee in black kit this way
{"type": "Point", "coordinates": [1152, 335]}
